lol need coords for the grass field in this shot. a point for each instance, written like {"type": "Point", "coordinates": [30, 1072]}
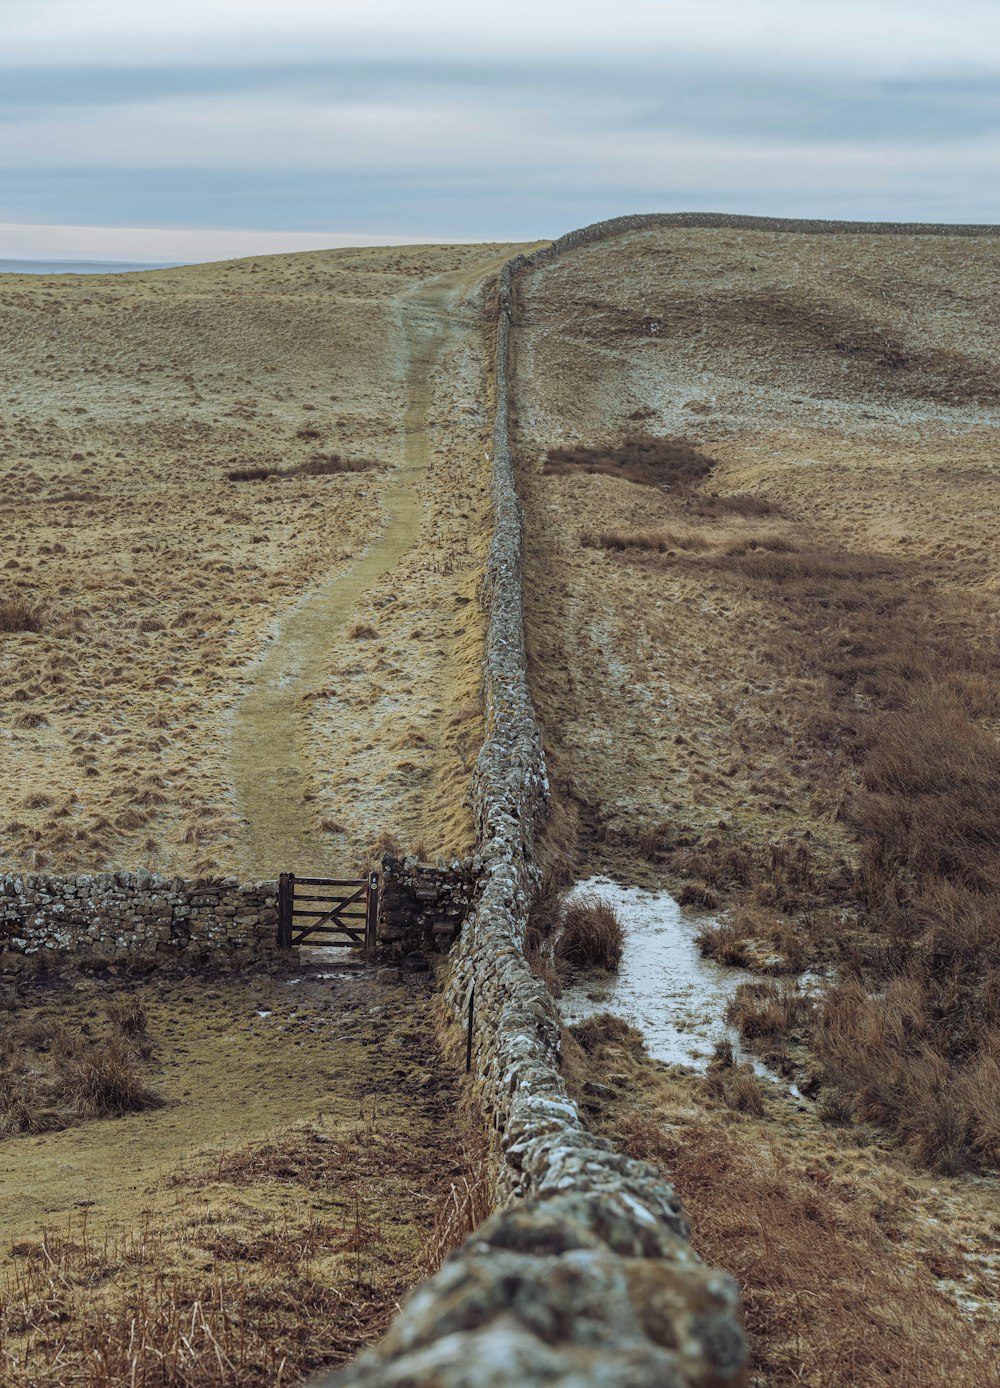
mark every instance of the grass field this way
{"type": "Point", "coordinates": [264, 1217]}
{"type": "Point", "coordinates": [762, 520]}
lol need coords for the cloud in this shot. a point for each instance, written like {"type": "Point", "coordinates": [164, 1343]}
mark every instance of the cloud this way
{"type": "Point", "coordinates": [403, 118]}
{"type": "Point", "coordinates": [890, 35]}
{"type": "Point", "coordinates": [443, 121]}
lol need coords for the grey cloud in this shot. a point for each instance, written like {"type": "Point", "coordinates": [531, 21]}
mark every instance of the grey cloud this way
{"type": "Point", "coordinates": [490, 147]}
{"type": "Point", "coordinates": [705, 98]}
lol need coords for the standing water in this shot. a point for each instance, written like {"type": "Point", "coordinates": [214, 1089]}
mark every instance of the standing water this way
{"type": "Point", "coordinates": [664, 986]}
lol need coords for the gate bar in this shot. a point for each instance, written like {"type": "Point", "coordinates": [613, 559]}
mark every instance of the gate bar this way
{"type": "Point", "coordinates": [289, 912]}
{"type": "Point", "coordinates": [330, 881]}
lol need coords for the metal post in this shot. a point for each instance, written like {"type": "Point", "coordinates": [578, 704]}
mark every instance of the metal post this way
{"type": "Point", "coordinates": [468, 1039]}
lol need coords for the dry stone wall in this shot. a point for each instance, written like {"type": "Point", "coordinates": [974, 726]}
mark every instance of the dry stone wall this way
{"type": "Point", "coordinates": [128, 915]}
{"type": "Point", "coordinates": [421, 905]}
{"type": "Point", "coordinates": [585, 1276]}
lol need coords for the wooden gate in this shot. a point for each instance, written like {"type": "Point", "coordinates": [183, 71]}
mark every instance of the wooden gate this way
{"type": "Point", "coordinates": [327, 911]}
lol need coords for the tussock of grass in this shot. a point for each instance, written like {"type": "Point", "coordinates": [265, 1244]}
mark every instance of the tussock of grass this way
{"type": "Point", "coordinates": [652, 541]}
{"type": "Point", "coordinates": [765, 1010]}
{"type": "Point", "coordinates": [250, 474]}
{"type": "Point", "coordinates": [18, 614]}
{"type": "Point", "coordinates": [590, 935]}
{"type": "Point", "coordinates": [723, 941]}
{"type": "Point", "coordinates": [326, 465]}
{"type": "Point", "coordinates": [732, 941]}
{"type": "Point", "coordinates": [53, 1076]}
{"type": "Point", "coordinates": [128, 1014]}
{"type": "Point", "coordinates": [469, 1202]}
{"type": "Point", "coordinates": [105, 1082]}
{"type": "Point", "coordinates": [736, 1086]}
{"type": "Point", "coordinates": [605, 1029]}
{"type": "Point", "coordinates": [698, 895]}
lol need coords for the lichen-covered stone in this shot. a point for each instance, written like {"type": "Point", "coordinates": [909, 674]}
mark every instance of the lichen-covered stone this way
{"type": "Point", "coordinates": [585, 1278]}
{"type": "Point", "coordinates": [422, 905]}
{"type": "Point", "coordinates": [126, 915]}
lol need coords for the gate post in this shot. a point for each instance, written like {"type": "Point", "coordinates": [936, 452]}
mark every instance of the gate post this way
{"type": "Point", "coordinates": [371, 919]}
{"type": "Point", "coordinates": [286, 895]}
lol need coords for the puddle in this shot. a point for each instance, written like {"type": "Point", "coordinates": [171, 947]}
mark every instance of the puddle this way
{"type": "Point", "coordinates": [664, 986]}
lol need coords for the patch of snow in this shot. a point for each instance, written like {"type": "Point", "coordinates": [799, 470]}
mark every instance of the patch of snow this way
{"type": "Point", "coordinates": [664, 986]}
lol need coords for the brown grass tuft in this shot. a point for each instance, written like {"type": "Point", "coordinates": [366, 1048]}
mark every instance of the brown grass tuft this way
{"type": "Point", "coordinates": [127, 1013]}
{"type": "Point", "coordinates": [250, 474]}
{"type": "Point", "coordinates": [105, 1081]}
{"type": "Point", "coordinates": [590, 935]}
{"type": "Point", "coordinates": [641, 458]}
{"type": "Point", "coordinates": [53, 1075]}
{"type": "Point", "coordinates": [604, 1029]}
{"type": "Point", "coordinates": [469, 1202]}
{"type": "Point", "coordinates": [763, 1010]}
{"type": "Point", "coordinates": [319, 465]}
{"type": "Point", "coordinates": [18, 614]}
{"type": "Point", "coordinates": [724, 942]}
{"type": "Point", "coordinates": [328, 464]}
{"type": "Point", "coordinates": [736, 1086]}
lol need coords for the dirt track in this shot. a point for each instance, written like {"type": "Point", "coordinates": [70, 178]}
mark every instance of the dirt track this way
{"type": "Point", "coordinates": [165, 591]}
{"type": "Point", "coordinates": [272, 729]}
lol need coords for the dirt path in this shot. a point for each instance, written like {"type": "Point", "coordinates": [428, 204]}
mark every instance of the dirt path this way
{"type": "Point", "coordinates": [270, 756]}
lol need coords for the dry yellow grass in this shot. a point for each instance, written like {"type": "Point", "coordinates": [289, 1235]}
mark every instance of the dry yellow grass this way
{"type": "Point", "coordinates": [854, 1268]}
{"type": "Point", "coordinates": [265, 1221]}
{"type": "Point", "coordinates": [156, 587]}
{"type": "Point", "coordinates": [771, 689]}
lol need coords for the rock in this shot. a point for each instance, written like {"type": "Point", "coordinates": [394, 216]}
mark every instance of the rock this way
{"type": "Point", "coordinates": [387, 975]}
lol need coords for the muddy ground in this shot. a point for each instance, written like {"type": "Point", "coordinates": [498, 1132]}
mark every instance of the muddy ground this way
{"type": "Point", "coordinates": [281, 1200]}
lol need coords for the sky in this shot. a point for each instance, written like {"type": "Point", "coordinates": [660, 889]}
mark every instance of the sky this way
{"type": "Point", "coordinates": [203, 129]}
